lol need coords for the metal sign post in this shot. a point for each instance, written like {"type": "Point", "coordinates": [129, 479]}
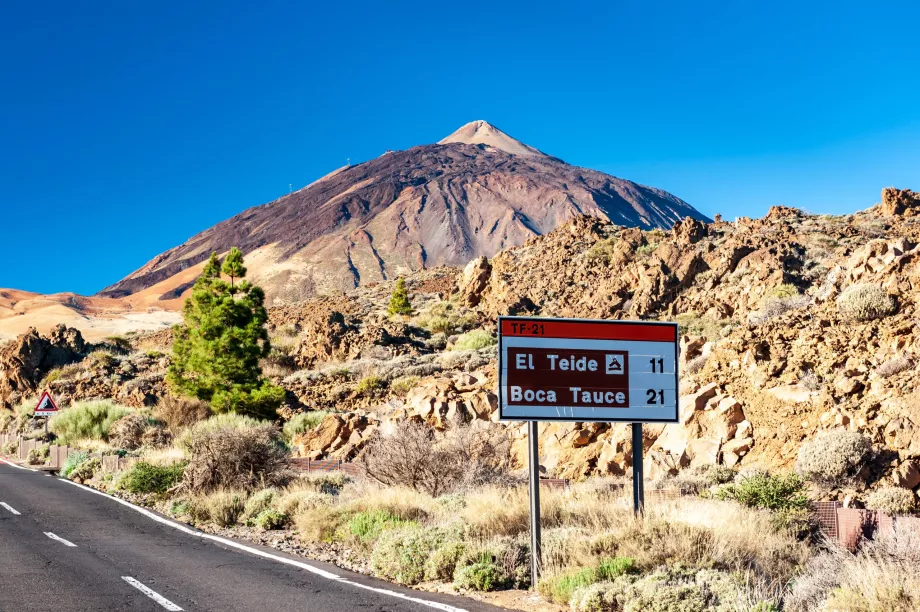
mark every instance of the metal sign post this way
{"type": "Point", "coordinates": [638, 470]}
{"type": "Point", "coordinates": [536, 546]}
{"type": "Point", "coordinates": [586, 371]}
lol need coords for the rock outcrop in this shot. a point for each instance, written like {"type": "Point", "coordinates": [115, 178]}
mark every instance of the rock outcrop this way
{"type": "Point", "coordinates": [28, 358]}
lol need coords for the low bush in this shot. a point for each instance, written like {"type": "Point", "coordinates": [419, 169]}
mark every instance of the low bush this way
{"type": "Point", "coordinates": [767, 492]}
{"type": "Point", "coordinates": [561, 587]}
{"type": "Point", "coordinates": [85, 470]}
{"type": "Point", "coordinates": [778, 306]}
{"type": "Point", "coordinates": [404, 384]}
{"type": "Point", "coordinates": [894, 501]}
{"type": "Point", "coordinates": [834, 458]}
{"type": "Point", "coordinates": [271, 519]}
{"type": "Point", "coordinates": [222, 507]}
{"type": "Point", "coordinates": [86, 420]}
{"type": "Point", "coordinates": [367, 526]}
{"type": "Point", "coordinates": [181, 412]}
{"type": "Point", "coordinates": [400, 554]}
{"type": "Point", "coordinates": [370, 385]}
{"type": "Point", "coordinates": [10, 448]}
{"type": "Point", "coordinates": [511, 554]}
{"type": "Point", "coordinates": [893, 366]}
{"type": "Point", "coordinates": [233, 452]}
{"type": "Point", "coordinates": [442, 564]}
{"type": "Point", "coordinates": [127, 431]}
{"type": "Point", "coordinates": [865, 302]}
{"type": "Point", "coordinates": [665, 590]}
{"type": "Point", "coordinates": [38, 456]}
{"type": "Point", "coordinates": [411, 456]}
{"type": "Point", "coordinates": [73, 460]}
{"type": "Point", "coordinates": [302, 422]}
{"type": "Point", "coordinates": [473, 340]}
{"type": "Point", "coordinates": [143, 478]}
{"type": "Point", "coordinates": [480, 576]}
{"type": "Point", "coordinates": [258, 502]}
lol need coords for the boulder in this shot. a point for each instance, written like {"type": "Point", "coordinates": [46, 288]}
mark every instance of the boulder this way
{"type": "Point", "coordinates": [26, 360]}
{"type": "Point", "coordinates": [898, 201]}
{"type": "Point", "coordinates": [907, 475]}
{"type": "Point", "coordinates": [474, 279]}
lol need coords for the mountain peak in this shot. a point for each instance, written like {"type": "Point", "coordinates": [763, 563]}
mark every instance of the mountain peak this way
{"type": "Point", "coordinates": [483, 132]}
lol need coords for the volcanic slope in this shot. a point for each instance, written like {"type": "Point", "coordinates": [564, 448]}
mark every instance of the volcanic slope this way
{"type": "Point", "coordinates": [476, 192]}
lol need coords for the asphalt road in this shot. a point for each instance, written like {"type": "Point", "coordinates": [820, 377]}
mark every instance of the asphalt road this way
{"type": "Point", "coordinates": [67, 549]}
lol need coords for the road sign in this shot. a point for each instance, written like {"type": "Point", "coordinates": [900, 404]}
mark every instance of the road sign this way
{"type": "Point", "coordinates": [46, 405]}
{"type": "Point", "coordinates": [587, 370]}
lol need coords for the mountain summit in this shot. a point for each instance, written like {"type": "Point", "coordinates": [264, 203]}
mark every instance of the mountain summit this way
{"type": "Point", "coordinates": [482, 132]}
{"type": "Point", "coordinates": [474, 193]}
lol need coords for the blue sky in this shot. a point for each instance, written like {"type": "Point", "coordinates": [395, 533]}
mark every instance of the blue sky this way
{"type": "Point", "coordinates": [126, 127]}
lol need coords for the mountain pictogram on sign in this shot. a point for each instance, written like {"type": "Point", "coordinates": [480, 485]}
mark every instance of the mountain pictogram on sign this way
{"type": "Point", "coordinates": [46, 405]}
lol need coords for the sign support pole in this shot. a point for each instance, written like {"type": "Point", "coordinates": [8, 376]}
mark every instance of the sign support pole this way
{"type": "Point", "coordinates": [638, 471]}
{"type": "Point", "coordinates": [536, 549]}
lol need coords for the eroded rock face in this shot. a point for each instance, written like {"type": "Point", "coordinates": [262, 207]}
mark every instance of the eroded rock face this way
{"type": "Point", "coordinates": [26, 360]}
{"type": "Point", "coordinates": [899, 201]}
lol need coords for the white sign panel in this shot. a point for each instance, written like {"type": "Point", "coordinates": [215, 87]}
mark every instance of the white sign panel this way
{"type": "Point", "coordinates": [587, 370]}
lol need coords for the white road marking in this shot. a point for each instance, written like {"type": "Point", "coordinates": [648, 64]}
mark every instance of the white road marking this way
{"type": "Point", "coordinates": [16, 465]}
{"type": "Point", "coordinates": [10, 509]}
{"type": "Point", "coordinates": [152, 594]}
{"type": "Point", "coordinates": [60, 539]}
{"type": "Point", "coordinates": [261, 553]}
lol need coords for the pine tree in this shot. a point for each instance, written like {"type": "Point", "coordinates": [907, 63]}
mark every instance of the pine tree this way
{"type": "Point", "coordinates": [399, 300]}
{"type": "Point", "coordinates": [233, 265]}
{"type": "Point", "coordinates": [216, 352]}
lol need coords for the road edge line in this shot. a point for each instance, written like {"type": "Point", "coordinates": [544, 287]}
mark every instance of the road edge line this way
{"type": "Point", "coordinates": [266, 555]}
{"type": "Point", "coordinates": [16, 465]}
{"type": "Point", "coordinates": [10, 509]}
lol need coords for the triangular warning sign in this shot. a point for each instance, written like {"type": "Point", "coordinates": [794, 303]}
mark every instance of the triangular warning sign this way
{"type": "Point", "coordinates": [46, 405]}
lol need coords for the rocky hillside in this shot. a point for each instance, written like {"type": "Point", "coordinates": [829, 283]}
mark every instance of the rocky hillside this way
{"type": "Point", "coordinates": [792, 325]}
{"type": "Point", "coordinates": [474, 193]}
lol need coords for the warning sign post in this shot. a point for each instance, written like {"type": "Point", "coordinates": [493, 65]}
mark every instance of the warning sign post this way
{"type": "Point", "coordinates": [585, 370]}
{"type": "Point", "coordinates": [46, 405]}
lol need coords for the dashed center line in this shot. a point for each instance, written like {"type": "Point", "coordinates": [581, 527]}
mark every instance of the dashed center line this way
{"type": "Point", "coordinates": [10, 509]}
{"type": "Point", "coordinates": [152, 594]}
{"type": "Point", "coordinates": [60, 539]}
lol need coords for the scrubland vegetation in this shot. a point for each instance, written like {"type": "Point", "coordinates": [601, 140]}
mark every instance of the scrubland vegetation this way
{"type": "Point", "coordinates": [452, 510]}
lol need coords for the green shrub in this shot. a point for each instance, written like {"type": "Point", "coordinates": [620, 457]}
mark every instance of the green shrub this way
{"type": "Point", "coordinates": [894, 501]}
{"type": "Point", "coordinates": [666, 590]}
{"type": "Point", "coordinates": [10, 448]}
{"type": "Point", "coordinates": [833, 458]}
{"type": "Point", "coordinates": [86, 420]}
{"type": "Point", "coordinates": [271, 519]}
{"type": "Point", "coordinates": [145, 477]}
{"type": "Point", "coordinates": [480, 576]}
{"type": "Point", "coordinates": [259, 502]}
{"type": "Point", "coordinates": [474, 340]}
{"type": "Point", "coordinates": [302, 422]}
{"type": "Point", "coordinates": [400, 554]}
{"type": "Point", "coordinates": [779, 492]}
{"type": "Point", "coordinates": [404, 384]}
{"type": "Point", "coordinates": [561, 587]}
{"type": "Point", "coordinates": [38, 456]}
{"type": "Point", "coordinates": [442, 564]}
{"type": "Point", "coordinates": [179, 507]}
{"type": "Point", "coordinates": [73, 460]}
{"type": "Point", "coordinates": [223, 508]}
{"type": "Point", "coordinates": [602, 251]}
{"type": "Point", "coordinates": [368, 525]}
{"type": "Point", "coordinates": [647, 249]}
{"type": "Point", "coordinates": [370, 385]}
{"type": "Point", "coordinates": [85, 470]}
{"type": "Point", "coordinates": [865, 302]}
{"type": "Point", "coordinates": [782, 291]}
